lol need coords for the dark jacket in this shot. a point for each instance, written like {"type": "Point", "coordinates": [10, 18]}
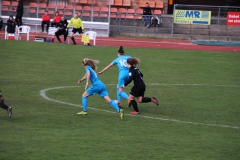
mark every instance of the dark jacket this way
{"type": "Point", "coordinates": [147, 11]}
{"type": "Point", "coordinates": [20, 6]}
{"type": "Point", "coordinates": [11, 26]}
{"type": "Point", "coordinates": [62, 24]}
{"type": "Point", "coordinates": [1, 23]}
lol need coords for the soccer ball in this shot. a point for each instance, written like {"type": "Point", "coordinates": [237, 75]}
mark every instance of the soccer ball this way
{"type": "Point", "coordinates": [49, 40]}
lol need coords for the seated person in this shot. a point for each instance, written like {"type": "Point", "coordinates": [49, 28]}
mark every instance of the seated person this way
{"type": "Point", "coordinates": [1, 23]}
{"type": "Point", "coordinates": [56, 19]}
{"type": "Point", "coordinates": [155, 21]}
{"type": "Point", "coordinates": [62, 25]}
{"type": "Point", "coordinates": [147, 14]}
{"type": "Point", "coordinates": [11, 25]}
{"type": "Point", "coordinates": [45, 20]}
{"type": "Point", "coordinates": [4, 106]}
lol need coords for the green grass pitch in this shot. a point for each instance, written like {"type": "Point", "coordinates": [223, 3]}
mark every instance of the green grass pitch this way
{"type": "Point", "coordinates": [198, 116]}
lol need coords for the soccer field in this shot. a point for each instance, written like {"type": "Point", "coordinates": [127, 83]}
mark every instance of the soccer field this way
{"type": "Point", "coordinates": [198, 116]}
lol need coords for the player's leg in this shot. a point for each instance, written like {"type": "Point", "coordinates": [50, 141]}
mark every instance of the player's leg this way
{"type": "Point", "coordinates": [57, 35]}
{"type": "Point", "coordinates": [9, 109]}
{"type": "Point", "coordinates": [142, 99]}
{"type": "Point", "coordinates": [133, 104]}
{"type": "Point", "coordinates": [72, 35]}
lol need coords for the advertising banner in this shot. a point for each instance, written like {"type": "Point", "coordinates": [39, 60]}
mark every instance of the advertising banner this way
{"type": "Point", "coordinates": [192, 17]}
{"type": "Point", "coordinates": [233, 18]}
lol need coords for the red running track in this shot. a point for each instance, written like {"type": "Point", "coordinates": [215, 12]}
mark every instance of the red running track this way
{"type": "Point", "coordinates": [145, 43]}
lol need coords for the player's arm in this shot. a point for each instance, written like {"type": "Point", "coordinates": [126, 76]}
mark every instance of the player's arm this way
{"type": "Point", "coordinates": [87, 79]}
{"type": "Point", "coordinates": [106, 68]}
{"type": "Point", "coordinates": [69, 24]}
{"type": "Point", "coordinates": [131, 75]}
{"type": "Point", "coordinates": [82, 79]}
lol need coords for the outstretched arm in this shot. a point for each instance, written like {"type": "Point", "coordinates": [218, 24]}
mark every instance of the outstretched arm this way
{"type": "Point", "coordinates": [106, 68]}
{"type": "Point", "coordinates": [82, 79]}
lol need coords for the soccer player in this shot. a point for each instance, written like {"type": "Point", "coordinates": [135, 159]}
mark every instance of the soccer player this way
{"type": "Point", "coordinates": [77, 27]}
{"type": "Point", "coordinates": [139, 86]}
{"type": "Point", "coordinates": [97, 87]}
{"type": "Point", "coordinates": [121, 62]}
{"type": "Point", "coordinates": [4, 106]}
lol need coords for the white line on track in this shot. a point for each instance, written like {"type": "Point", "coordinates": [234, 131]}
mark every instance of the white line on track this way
{"type": "Point", "coordinates": [43, 94]}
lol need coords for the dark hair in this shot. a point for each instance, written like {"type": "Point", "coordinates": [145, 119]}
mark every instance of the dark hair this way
{"type": "Point", "coordinates": [133, 61]}
{"type": "Point", "coordinates": [121, 51]}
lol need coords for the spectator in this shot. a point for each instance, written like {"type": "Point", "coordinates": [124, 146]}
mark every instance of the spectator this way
{"type": "Point", "coordinates": [45, 20]}
{"type": "Point", "coordinates": [11, 25]}
{"type": "Point", "coordinates": [1, 23]}
{"type": "Point", "coordinates": [56, 19]}
{"type": "Point", "coordinates": [62, 25]}
{"type": "Point", "coordinates": [77, 27]}
{"type": "Point", "coordinates": [19, 11]}
{"type": "Point", "coordinates": [147, 12]}
{"type": "Point", "coordinates": [155, 21]}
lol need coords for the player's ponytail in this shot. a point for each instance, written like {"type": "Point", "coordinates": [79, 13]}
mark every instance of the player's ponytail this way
{"type": "Point", "coordinates": [121, 51]}
{"type": "Point", "coordinates": [133, 61]}
{"type": "Point", "coordinates": [90, 62]}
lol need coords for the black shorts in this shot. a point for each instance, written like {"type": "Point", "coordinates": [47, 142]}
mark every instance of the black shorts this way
{"type": "Point", "coordinates": [138, 90]}
{"type": "Point", "coordinates": [79, 30]}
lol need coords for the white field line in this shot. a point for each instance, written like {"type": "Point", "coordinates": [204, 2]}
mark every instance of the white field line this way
{"type": "Point", "coordinates": [43, 94]}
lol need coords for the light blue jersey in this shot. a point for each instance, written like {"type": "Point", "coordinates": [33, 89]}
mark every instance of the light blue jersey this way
{"type": "Point", "coordinates": [121, 62]}
{"type": "Point", "coordinates": [97, 85]}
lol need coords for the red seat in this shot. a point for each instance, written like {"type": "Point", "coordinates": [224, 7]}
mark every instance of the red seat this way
{"type": "Point", "coordinates": [122, 13]}
{"type": "Point", "coordinates": [42, 8]}
{"type": "Point", "coordinates": [159, 4]}
{"type": "Point", "coordinates": [78, 9]}
{"type": "Point", "coordinates": [83, 1]}
{"type": "Point", "coordinates": [113, 12]}
{"type": "Point", "coordinates": [126, 3]}
{"type": "Point", "coordinates": [14, 5]}
{"type": "Point", "coordinates": [32, 8]}
{"type": "Point", "coordinates": [103, 15]}
{"type": "Point", "coordinates": [157, 12]}
{"type": "Point", "coordinates": [91, 1]}
{"type": "Point", "coordinates": [5, 6]}
{"type": "Point", "coordinates": [118, 3]}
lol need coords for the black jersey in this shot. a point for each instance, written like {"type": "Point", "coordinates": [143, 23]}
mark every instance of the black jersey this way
{"type": "Point", "coordinates": [135, 75]}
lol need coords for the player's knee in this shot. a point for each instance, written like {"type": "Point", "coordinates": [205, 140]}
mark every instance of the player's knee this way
{"type": "Point", "coordinates": [139, 101]}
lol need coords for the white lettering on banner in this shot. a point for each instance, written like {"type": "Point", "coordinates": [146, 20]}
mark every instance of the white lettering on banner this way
{"type": "Point", "coordinates": [237, 21]}
{"type": "Point", "coordinates": [233, 16]}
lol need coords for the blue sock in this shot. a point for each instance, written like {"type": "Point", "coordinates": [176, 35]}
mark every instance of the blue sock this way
{"type": "Point", "coordinates": [123, 94]}
{"type": "Point", "coordinates": [84, 103]}
{"type": "Point", "coordinates": [119, 98]}
{"type": "Point", "coordinates": [114, 105]}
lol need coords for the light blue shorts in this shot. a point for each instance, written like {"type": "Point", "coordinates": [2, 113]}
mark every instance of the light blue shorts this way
{"type": "Point", "coordinates": [98, 88]}
{"type": "Point", "coordinates": [122, 78]}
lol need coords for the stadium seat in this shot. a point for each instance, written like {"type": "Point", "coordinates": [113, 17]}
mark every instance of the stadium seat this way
{"type": "Point", "coordinates": [118, 3]}
{"type": "Point", "coordinates": [138, 13]}
{"type": "Point", "coordinates": [5, 6]}
{"type": "Point", "coordinates": [86, 9]}
{"type": "Point", "coordinates": [113, 12]}
{"type": "Point", "coordinates": [68, 11]}
{"type": "Point", "coordinates": [122, 13]}
{"type": "Point", "coordinates": [157, 12]}
{"type": "Point", "coordinates": [103, 12]}
{"type": "Point", "coordinates": [51, 9]}
{"type": "Point", "coordinates": [14, 5]}
{"type": "Point", "coordinates": [91, 2]}
{"type": "Point", "coordinates": [151, 4]}
{"type": "Point", "coordinates": [15, 35]}
{"type": "Point", "coordinates": [142, 4]}
{"type": "Point", "coordinates": [23, 30]}
{"type": "Point", "coordinates": [83, 1]}
{"type": "Point", "coordinates": [110, 2]}
{"type": "Point", "coordinates": [159, 4]}
{"type": "Point", "coordinates": [96, 11]}
{"type": "Point", "coordinates": [32, 9]}
{"type": "Point", "coordinates": [60, 9]}
{"type": "Point", "coordinates": [78, 9]}
{"type": "Point", "coordinates": [92, 36]}
{"type": "Point", "coordinates": [42, 8]}
{"type": "Point", "coordinates": [130, 14]}
{"type": "Point", "coordinates": [126, 3]}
